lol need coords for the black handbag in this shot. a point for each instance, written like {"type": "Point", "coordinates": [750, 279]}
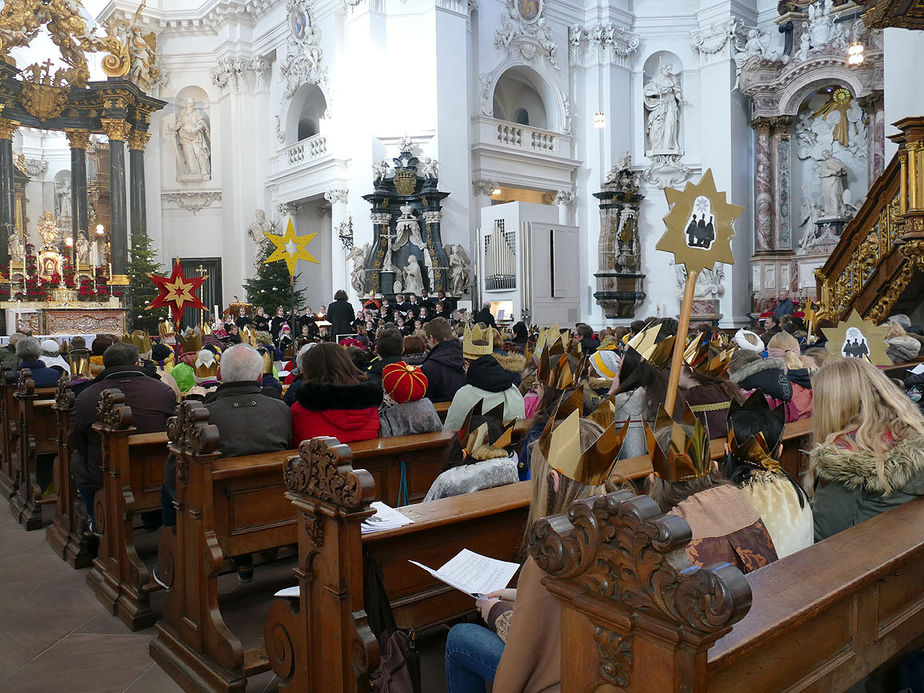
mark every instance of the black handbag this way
{"type": "Point", "coordinates": [399, 662]}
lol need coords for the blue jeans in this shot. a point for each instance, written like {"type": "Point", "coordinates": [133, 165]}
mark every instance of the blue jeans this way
{"type": "Point", "coordinates": [472, 655]}
{"type": "Point", "coordinates": [168, 510]}
{"type": "Point", "coordinates": [87, 495]}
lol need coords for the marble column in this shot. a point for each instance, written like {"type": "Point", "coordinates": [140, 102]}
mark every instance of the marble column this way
{"type": "Point", "coordinates": [138, 217]}
{"type": "Point", "coordinates": [782, 182]}
{"type": "Point", "coordinates": [78, 139]}
{"type": "Point", "coordinates": [873, 107]}
{"type": "Point", "coordinates": [7, 192]}
{"type": "Point", "coordinates": [339, 214]}
{"type": "Point", "coordinates": [763, 198]}
{"type": "Point", "coordinates": [562, 200]}
{"type": "Point", "coordinates": [117, 131]}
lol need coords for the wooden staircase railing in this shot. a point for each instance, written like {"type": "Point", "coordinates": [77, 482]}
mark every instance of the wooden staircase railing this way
{"type": "Point", "coordinates": [881, 248]}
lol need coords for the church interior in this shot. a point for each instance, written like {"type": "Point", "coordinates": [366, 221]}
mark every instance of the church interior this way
{"type": "Point", "coordinates": [620, 300]}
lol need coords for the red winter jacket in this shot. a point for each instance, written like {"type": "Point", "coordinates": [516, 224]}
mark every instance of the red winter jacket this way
{"type": "Point", "coordinates": [345, 412]}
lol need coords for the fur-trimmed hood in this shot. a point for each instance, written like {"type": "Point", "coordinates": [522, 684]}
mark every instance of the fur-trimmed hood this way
{"type": "Point", "coordinates": [767, 374]}
{"type": "Point", "coordinates": [512, 363]}
{"type": "Point", "coordinates": [755, 367]}
{"type": "Point", "coordinates": [904, 468]}
{"type": "Point", "coordinates": [321, 397]}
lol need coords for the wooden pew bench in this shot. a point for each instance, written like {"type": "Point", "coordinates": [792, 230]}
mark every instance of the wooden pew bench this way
{"type": "Point", "coordinates": [68, 534]}
{"type": "Point", "coordinates": [37, 442]}
{"type": "Point", "coordinates": [9, 431]}
{"type": "Point", "coordinates": [820, 619]}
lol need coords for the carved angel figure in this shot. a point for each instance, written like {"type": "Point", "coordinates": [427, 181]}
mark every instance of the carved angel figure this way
{"type": "Point", "coordinates": [429, 168]}
{"type": "Point", "coordinates": [379, 170]}
{"type": "Point", "coordinates": [459, 269]}
{"type": "Point", "coordinates": [358, 273]}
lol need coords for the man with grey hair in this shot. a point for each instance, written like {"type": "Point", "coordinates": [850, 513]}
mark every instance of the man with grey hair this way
{"type": "Point", "coordinates": [8, 358]}
{"type": "Point", "coordinates": [29, 353]}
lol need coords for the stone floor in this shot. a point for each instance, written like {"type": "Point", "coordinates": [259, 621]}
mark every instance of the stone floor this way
{"type": "Point", "coordinates": [55, 635]}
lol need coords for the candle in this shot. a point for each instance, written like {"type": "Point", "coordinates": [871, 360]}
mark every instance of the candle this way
{"type": "Point", "coordinates": [216, 313]}
{"type": "Point", "coordinates": [110, 272]}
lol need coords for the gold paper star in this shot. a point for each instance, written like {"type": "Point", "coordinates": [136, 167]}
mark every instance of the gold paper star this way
{"type": "Point", "coordinates": [699, 225]}
{"type": "Point", "coordinates": [858, 338]}
{"type": "Point", "coordinates": [290, 247]}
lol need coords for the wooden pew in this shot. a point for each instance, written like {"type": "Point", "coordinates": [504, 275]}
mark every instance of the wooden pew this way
{"type": "Point", "coordinates": [8, 380]}
{"type": "Point", "coordinates": [37, 435]}
{"type": "Point", "coordinates": [68, 533]}
{"type": "Point", "coordinates": [132, 471]}
{"type": "Point", "coordinates": [820, 619]}
{"type": "Point", "coordinates": [442, 408]}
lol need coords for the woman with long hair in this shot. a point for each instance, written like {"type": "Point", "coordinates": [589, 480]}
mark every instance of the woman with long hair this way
{"type": "Point", "coordinates": [869, 456]}
{"type": "Point", "coordinates": [335, 399]}
{"type": "Point", "coordinates": [783, 345]}
{"type": "Point", "coordinates": [520, 649]}
{"type": "Point", "coordinates": [709, 397]}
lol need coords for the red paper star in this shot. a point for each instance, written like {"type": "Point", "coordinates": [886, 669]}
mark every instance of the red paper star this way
{"type": "Point", "coordinates": [177, 291]}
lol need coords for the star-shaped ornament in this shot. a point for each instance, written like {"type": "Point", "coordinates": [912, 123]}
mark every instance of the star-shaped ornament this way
{"type": "Point", "coordinates": [290, 247]}
{"type": "Point", "coordinates": [699, 225]}
{"type": "Point", "coordinates": [177, 291]}
{"type": "Point", "coordinates": [858, 338]}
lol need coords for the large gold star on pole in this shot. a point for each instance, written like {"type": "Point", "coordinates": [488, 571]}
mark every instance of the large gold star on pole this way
{"type": "Point", "coordinates": [290, 247]}
{"type": "Point", "coordinates": [699, 225]}
{"type": "Point", "coordinates": [858, 338]}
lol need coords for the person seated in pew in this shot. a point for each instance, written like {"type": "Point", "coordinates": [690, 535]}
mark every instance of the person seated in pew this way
{"type": "Point", "coordinates": [783, 345]}
{"type": "Point", "coordinates": [685, 482]}
{"type": "Point", "coordinates": [8, 358]}
{"type": "Point", "coordinates": [152, 404]}
{"type": "Point", "coordinates": [752, 452]}
{"type": "Point", "coordinates": [512, 362]}
{"type": "Point", "coordinates": [480, 456]}
{"type": "Point", "coordinates": [335, 398]}
{"type": "Point", "coordinates": [444, 365]}
{"type": "Point", "coordinates": [486, 381]}
{"type": "Point", "coordinates": [388, 349]}
{"type": "Point", "coordinates": [604, 365]}
{"type": "Point", "coordinates": [51, 356]}
{"type": "Point", "coordinates": [869, 453]}
{"type": "Point", "coordinates": [29, 353]}
{"type": "Point", "coordinates": [520, 649]}
{"type": "Point", "coordinates": [708, 393]}
{"type": "Point", "coordinates": [405, 410]}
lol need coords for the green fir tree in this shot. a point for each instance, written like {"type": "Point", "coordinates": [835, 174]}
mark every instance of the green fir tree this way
{"type": "Point", "coordinates": [142, 259]}
{"type": "Point", "coordinates": [270, 288]}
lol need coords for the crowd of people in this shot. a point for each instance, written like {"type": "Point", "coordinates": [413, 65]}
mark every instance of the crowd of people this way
{"type": "Point", "coordinates": [383, 379]}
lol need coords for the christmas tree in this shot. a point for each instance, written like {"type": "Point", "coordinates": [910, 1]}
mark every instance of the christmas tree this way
{"type": "Point", "coordinates": [142, 260]}
{"type": "Point", "coordinates": [271, 288]}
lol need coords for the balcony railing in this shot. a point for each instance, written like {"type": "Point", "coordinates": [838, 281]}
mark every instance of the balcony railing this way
{"type": "Point", "coordinates": [523, 138]}
{"type": "Point", "coordinates": [307, 150]}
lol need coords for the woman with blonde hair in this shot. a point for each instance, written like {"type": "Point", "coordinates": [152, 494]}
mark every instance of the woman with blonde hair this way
{"type": "Point", "coordinates": [783, 345]}
{"type": "Point", "coordinates": [902, 347]}
{"type": "Point", "coordinates": [869, 456]}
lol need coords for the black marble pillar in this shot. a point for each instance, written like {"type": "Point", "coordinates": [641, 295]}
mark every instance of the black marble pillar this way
{"type": "Point", "coordinates": [137, 210]}
{"type": "Point", "coordinates": [118, 223]}
{"type": "Point", "coordinates": [6, 198]}
{"type": "Point", "coordinates": [79, 214]}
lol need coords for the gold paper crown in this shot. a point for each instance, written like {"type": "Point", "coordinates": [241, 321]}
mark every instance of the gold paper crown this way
{"type": "Point", "coordinates": [190, 340]}
{"type": "Point", "coordinates": [485, 339]}
{"type": "Point", "coordinates": [248, 336]}
{"type": "Point", "coordinates": [561, 446]}
{"type": "Point", "coordinates": [205, 328]}
{"type": "Point", "coordinates": [555, 373]}
{"type": "Point", "coordinates": [757, 449]}
{"type": "Point", "coordinates": [646, 342]}
{"type": "Point", "coordinates": [79, 360]}
{"type": "Point", "coordinates": [140, 339]}
{"type": "Point", "coordinates": [686, 454]}
{"type": "Point", "coordinates": [165, 328]}
{"type": "Point", "coordinates": [267, 360]}
{"type": "Point", "coordinates": [543, 337]}
{"type": "Point", "coordinates": [481, 436]}
{"type": "Point", "coordinates": [206, 364]}
{"type": "Point", "coordinates": [697, 356]}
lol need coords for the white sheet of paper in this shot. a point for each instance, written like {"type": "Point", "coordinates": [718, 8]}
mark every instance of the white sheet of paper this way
{"type": "Point", "coordinates": [473, 573]}
{"type": "Point", "coordinates": [289, 592]}
{"type": "Point", "coordinates": [917, 370]}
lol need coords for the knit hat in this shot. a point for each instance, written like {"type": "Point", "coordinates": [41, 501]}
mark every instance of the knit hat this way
{"type": "Point", "coordinates": [605, 363]}
{"type": "Point", "coordinates": [404, 383]}
{"type": "Point", "coordinates": [745, 339]}
{"type": "Point", "coordinates": [184, 376]}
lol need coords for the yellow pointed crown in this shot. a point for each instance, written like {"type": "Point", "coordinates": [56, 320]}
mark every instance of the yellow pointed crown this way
{"type": "Point", "coordinates": [248, 336]}
{"type": "Point", "coordinates": [698, 356]}
{"type": "Point", "coordinates": [477, 342]}
{"type": "Point", "coordinates": [561, 446]}
{"type": "Point", "coordinates": [548, 336]}
{"type": "Point", "coordinates": [165, 328]}
{"type": "Point", "coordinates": [646, 344]}
{"type": "Point", "coordinates": [191, 340]}
{"type": "Point", "coordinates": [140, 339]}
{"type": "Point", "coordinates": [759, 448]}
{"type": "Point", "coordinates": [472, 440]}
{"type": "Point", "coordinates": [556, 372]}
{"type": "Point", "coordinates": [79, 360]}
{"type": "Point", "coordinates": [206, 365]}
{"type": "Point", "coordinates": [685, 454]}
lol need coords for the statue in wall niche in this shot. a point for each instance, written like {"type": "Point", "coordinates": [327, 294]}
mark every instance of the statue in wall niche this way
{"type": "Point", "coordinates": [460, 269]}
{"type": "Point", "coordinates": [63, 207]}
{"type": "Point", "coordinates": [358, 273]}
{"type": "Point", "coordinates": [810, 212]}
{"type": "Point", "coordinates": [413, 276]}
{"type": "Point", "coordinates": [663, 97]}
{"type": "Point", "coordinates": [408, 229]}
{"type": "Point", "coordinates": [16, 247]}
{"type": "Point", "coordinates": [193, 142]}
{"type": "Point", "coordinates": [833, 173]}
{"type": "Point", "coordinates": [83, 249]}
{"type": "Point", "coordinates": [259, 227]}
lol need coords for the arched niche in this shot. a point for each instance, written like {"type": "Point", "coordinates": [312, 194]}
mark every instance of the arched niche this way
{"type": "Point", "coordinates": [661, 69]}
{"type": "Point", "coordinates": [62, 196]}
{"type": "Point", "coordinates": [192, 134]}
{"type": "Point", "coordinates": [518, 98]}
{"type": "Point", "coordinates": [306, 110]}
{"type": "Point", "coordinates": [804, 86]}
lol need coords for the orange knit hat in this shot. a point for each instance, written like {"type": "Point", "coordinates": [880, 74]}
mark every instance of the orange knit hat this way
{"type": "Point", "coordinates": [404, 383]}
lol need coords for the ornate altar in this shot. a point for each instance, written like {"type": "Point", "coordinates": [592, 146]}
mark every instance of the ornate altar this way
{"type": "Point", "coordinates": [619, 279]}
{"type": "Point", "coordinates": [407, 253]}
{"type": "Point", "coordinates": [62, 317]}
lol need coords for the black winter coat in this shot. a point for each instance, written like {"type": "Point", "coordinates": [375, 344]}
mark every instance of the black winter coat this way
{"type": "Point", "coordinates": [769, 375]}
{"type": "Point", "coordinates": [444, 370]}
{"type": "Point", "coordinates": [340, 315]}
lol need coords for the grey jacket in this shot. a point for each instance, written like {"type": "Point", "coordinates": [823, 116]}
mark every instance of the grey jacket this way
{"type": "Point", "coordinates": [848, 491]}
{"type": "Point", "coordinates": [631, 405]}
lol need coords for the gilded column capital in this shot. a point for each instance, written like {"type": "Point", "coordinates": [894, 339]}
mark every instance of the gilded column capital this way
{"type": "Point", "coordinates": [115, 128]}
{"type": "Point", "coordinates": [138, 140]}
{"type": "Point", "coordinates": [763, 124]}
{"type": "Point", "coordinates": [79, 139]}
{"type": "Point", "coordinates": [7, 128]}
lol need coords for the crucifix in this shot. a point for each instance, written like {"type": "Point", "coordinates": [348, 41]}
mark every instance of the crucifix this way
{"type": "Point", "coordinates": [201, 271]}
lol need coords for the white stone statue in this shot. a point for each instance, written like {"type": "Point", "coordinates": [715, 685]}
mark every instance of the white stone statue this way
{"type": "Point", "coordinates": [809, 212]}
{"type": "Point", "coordinates": [83, 249]}
{"type": "Point", "coordinates": [16, 247]}
{"type": "Point", "coordinates": [833, 173]}
{"type": "Point", "coordinates": [358, 273]}
{"type": "Point", "coordinates": [64, 200]}
{"type": "Point", "coordinates": [663, 97]}
{"type": "Point", "coordinates": [408, 229]}
{"type": "Point", "coordinates": [710, 283]}
{"type": "Point", "coordinates": [193, 142]}
{"type": "Point", "coordinates": [429, 168]}
{"type": "Point", "coordinates": [413, 277]}
{"type": "Point", "coordinates": [460, 269]}
{"type": "Point", "coordinates": [260, 226]}
{"type": "Point", "coordinates": [379, 170]}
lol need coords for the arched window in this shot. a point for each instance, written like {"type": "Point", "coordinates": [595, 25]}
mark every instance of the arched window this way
{"type": "Point", "coordinates": [518, 98]}
{"type": "Point", "coordinates": [521, 116]}
{"type": "Point", "coordinates": [307, 110]}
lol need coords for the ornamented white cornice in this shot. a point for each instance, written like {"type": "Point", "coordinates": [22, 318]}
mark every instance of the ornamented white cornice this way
{"type": "Point", "coordinates": [531, 40]}
{"type": "Point", "coordinates": [302, 61]}
{"type": "Point", "coordinates": [712, 39]}
{"type": "Point", "coordinates": [235, 72]}
{"type": "Point", "coordinates": [337, 195]}
{"type": "Point", "coordinates": [483, 187]}
{"type": "Point", "coordinates": [563, 198]}
{"type": "Point", "coordinates": [192, 201]}
{"type": "Point", "coordinates": [287, 209]}
{"type": "Point", "coordinates": [195, 21]}
{"type": "Point", "coordinates": [432, 216]}
{"type": "Point", "coordinates": [601, 44]}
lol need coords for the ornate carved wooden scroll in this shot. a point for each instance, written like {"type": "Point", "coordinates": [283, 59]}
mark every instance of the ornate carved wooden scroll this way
{"type": "Point", "coordinates": [323, 642]}
{"type": "Point", "coordinates": [618, 565]}
{"type": "Point", "coordinates": [112, 412]}
{"type": "Point", "coordinates": [25, 385]}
